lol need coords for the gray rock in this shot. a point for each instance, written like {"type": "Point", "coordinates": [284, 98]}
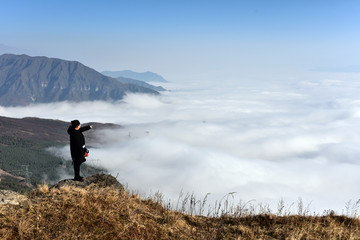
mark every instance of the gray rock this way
{"type": "Point", "coordinates": [98, 180]}
{"type": "Point", "coordinates": [11, 197]}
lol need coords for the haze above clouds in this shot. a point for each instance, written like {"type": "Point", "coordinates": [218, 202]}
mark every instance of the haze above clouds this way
{"type": "Point", "coordinates": [286, 141]}
{"type": "Point", "coordinates": [189, 40]}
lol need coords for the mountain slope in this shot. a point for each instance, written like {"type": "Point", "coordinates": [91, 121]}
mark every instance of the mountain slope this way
{"type": "Point", "coordinates": [99, 208]}
{"type": "Point", "coordinates": [25, 80]}
{"type": "Point", "coordinates": [145, 76]}
{"type": "Point", "coordinates": [24, 150]}
{"type": "Point", "coordinates": [43, 129]}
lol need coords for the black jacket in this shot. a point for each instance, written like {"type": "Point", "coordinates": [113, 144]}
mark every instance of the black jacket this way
{"type": "Point", "coordinates": [77, 141]}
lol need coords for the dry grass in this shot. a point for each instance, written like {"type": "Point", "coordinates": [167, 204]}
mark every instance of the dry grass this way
{"type": "Point", "coordinates": [106, 213]}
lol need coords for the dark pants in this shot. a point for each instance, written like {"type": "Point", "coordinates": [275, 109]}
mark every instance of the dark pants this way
{"type": "Point", "coordinates": [77, 162]}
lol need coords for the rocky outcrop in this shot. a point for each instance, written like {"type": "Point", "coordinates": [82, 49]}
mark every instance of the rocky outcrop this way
{"type": "Point", "coordinates": [11, 197]}
{"type": "Point", "coordinates": [98, 180]}
{"type": "Point", "coordinates": [95, 181]}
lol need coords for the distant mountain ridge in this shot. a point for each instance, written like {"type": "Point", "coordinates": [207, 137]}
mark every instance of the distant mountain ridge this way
{"type": "Point", "coordinates": [25, 80]}
{"type": "Point", "coordinates": [145, 76]}
{"type": "Point", "coordinates": [49, 130]}
{"type": "Point", "coordinates": [140, 83]}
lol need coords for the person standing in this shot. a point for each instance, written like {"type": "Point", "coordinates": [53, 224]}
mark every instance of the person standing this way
{"type": "Point", "coordinates": [77, 146]}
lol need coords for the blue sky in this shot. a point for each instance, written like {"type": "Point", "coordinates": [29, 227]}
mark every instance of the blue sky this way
{"type": "Point", "coordinates": [190, 40]}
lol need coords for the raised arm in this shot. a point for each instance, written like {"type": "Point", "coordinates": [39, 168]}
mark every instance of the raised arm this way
{"type": "Point", "coordinates": [85, 128]}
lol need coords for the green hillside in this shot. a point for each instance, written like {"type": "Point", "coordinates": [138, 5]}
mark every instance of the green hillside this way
{"type": "Point", "coordinates": [24, 158]}
{"type": "Point", "coordinates": [30, 160]}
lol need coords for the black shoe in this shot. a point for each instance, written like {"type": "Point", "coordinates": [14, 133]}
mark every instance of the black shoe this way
{"type": "Point", "coordinates": [79, 179]}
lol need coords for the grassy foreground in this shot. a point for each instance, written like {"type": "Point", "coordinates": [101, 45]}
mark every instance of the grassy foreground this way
{"type": "Point", "coordinates": [107, 213]}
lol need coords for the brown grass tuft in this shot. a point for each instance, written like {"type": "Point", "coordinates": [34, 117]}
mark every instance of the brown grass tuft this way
{"type": "Point", "coordinates": [44, 188]}
{"type": "Point", "coordinates": [106, 213]}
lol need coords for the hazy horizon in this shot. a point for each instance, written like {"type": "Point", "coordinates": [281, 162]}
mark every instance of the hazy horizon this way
{"type": "Point", "coordinates": [189, 40]}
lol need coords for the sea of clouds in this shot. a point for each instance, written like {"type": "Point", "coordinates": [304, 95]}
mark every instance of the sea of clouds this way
{"type": "Point", "coordinates": [263, 141]}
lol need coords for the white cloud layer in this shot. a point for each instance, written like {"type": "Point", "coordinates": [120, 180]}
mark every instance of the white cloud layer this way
{"type": "Point", "coordinates": [264, 142]}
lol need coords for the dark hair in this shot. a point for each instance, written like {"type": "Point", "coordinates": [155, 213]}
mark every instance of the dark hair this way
{"type": "Point", "coordinates": [75, 123]}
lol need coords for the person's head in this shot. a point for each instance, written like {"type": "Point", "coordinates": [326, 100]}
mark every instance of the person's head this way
{"type": "Point", "coordinates": [75, 124]}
